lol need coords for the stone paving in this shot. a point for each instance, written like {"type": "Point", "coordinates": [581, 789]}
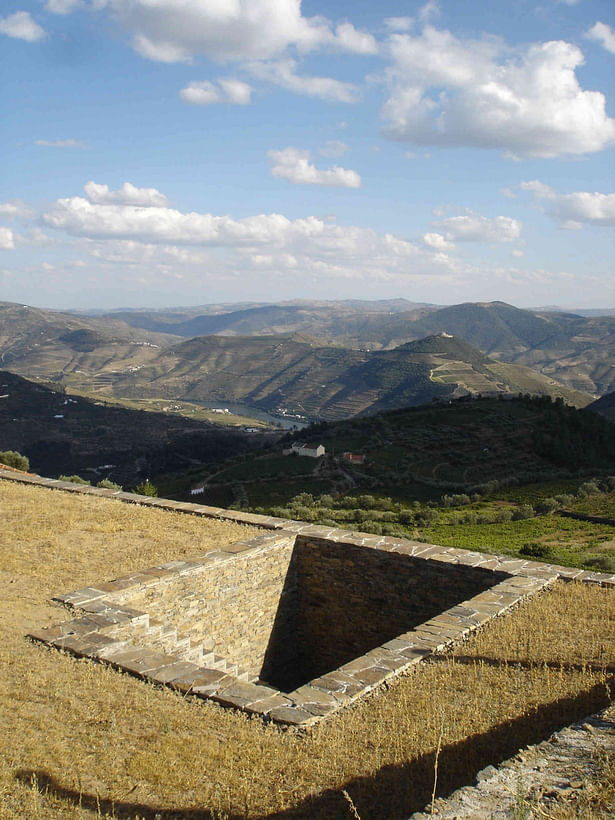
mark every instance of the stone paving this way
{"type": "Point", "coordinates": [133, 640]}
{"type": "Point", "coordinates": [538, 777]}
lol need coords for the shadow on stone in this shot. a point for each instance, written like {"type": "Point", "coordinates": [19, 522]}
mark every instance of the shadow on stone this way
{"type": "Point", "coordinates": [339, 601]}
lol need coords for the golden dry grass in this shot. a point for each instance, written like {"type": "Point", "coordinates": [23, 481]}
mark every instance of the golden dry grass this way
{"type": "Point", "coordinates": [79, 740]}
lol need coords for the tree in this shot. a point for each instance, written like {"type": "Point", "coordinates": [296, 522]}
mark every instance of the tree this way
{"type": "Point", "coordinates": [146, 488]}
{"type": "Point", "coordinates": [106, 484]}
{"type": "Point", "coordinates": [14, 459]}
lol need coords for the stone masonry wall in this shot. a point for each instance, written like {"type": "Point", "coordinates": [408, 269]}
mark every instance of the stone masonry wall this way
{"type": "Point", "coordinates": [352, 599]}
{"type": "Point", "coordinates": [228, 606]}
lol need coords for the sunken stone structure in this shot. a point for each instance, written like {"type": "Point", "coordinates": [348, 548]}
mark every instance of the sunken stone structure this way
{"type": "Point", "coordinates": [295, 623]}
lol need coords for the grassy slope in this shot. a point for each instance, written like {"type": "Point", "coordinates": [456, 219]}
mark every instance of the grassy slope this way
{"type": "Point", "coordinates": [79, 740]}
{"type": "Point", "coordinates": [418, 452]}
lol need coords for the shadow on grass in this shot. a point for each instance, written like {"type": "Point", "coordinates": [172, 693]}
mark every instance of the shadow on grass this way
{"type": "Point", "coordinates": [393, 793]}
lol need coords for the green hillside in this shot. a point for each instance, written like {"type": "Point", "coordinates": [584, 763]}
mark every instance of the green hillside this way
{"type": "Point", "coordinates": [327, 382]}
{"type": "Point", "coordinates": [423, 452]}
{"type": "Point", "coordinates": [62, 434]}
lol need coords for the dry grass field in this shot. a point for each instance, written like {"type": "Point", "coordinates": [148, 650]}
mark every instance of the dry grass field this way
{"type": "Point", "coordinates": [80, 740]}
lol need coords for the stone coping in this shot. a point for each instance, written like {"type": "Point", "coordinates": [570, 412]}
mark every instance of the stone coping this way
{"type": "Point", "coordinates": [105, 630]}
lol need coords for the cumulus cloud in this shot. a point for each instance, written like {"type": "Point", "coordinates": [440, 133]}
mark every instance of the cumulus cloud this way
{"type": "Point", "coordinates": [294, 165]}
{"type": "Point", "coordinates": [333, 149]}
{"type": "Point", "coordinates": [283, 73]}
{"type": "Point", "coordinates": [61, 143]}
{"type": "Point", "coordinates": [437, 242]}
{"type": "Point", "coordinates": [156, 236]}
{"type": "Point", "coordinates": [348, 38]}
{"type": "Point", "coordinates": [473, 227]}
{"type": "Point", "coordinates": [577, 209]}
{"type": "Point", "coordinates": [604, 34]}
{"type": "Point", "coordinates": [458, 92]}
{"type": "Point", "coordinates": [22, 27]}
{"type": "Point", "coordinates": [128, 194]}
{"type": "Point", "coordinates": [15, 209]}
{"type": "Point", "coordinates": [169, 31]}
{"type": "Point", "coordinates": [7, 239]}
{"type": "Point", "coordinates": [227, 91]}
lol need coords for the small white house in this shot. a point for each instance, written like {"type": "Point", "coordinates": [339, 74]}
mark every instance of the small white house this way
{"type": "Point", "coordinates": [310, 450]}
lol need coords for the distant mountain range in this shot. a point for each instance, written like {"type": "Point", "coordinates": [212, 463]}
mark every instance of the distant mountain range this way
{"type": "Point", "coordinates": [321, 359]}
{"type": "Point", "coordinates": [577, 350]}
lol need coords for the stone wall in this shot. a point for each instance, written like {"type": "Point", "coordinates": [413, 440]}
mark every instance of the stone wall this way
{"type": "Point", "coordinates": [226, 606]}
{"type": "Point", "coordinates": [352, 599]}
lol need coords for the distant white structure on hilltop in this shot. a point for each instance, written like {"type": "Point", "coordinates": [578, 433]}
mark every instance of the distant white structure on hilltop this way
{"type": "Point", "coordinates": [303, 449]}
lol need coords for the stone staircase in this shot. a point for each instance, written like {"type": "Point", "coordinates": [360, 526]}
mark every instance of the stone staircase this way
{"type": "Point", "coordinates": [158, 635]}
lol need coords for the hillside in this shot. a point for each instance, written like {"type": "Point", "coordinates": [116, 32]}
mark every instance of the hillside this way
{"type": "Point", "coordinates": [423, 452]}
{"type": "Point", "coordinates": [63, 347]}
{"type": "Point", "coordinates": [326, 319]}
{"type": "Point", "coordinates": [62, 434]}
{"type": "Point", "coordinates": [576, 349]}
{"type": "Point", "coordinates": [605, 406]}
{"type": "Point", "coordinates": [327, 382]}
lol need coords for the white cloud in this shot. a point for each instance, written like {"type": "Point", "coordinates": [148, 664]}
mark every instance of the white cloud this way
{"type": "Point", "coordinates": [16, 209]}
{"type": "Point", "coordinates": [473, 227]}
{"type": "Point", "coordinates": [21, 26]}
{"type": "Point", "coordinates": [282, 73]}
{"type": "Point", "coordinates": [604, 34]}
{"type": "Point", "coordinates": [577, 209]}
{"type": "Point", "coordinates": [61, 143]}
{"type": "Point", "coordinates": [128, 194]}
{"type": "Point", "coordinates": [399, 23]}
{"type": "Point", "coordinates": [148, 238]}
{"type": "Point", "coordinates": [437, 242]}
{"type": "Point", "coordinates": [294, 165]}
{"type": "Point", "coordinates": [227, 91]}
{"type": "Point", "coordinates": [7, 239]}
{"type": "Point", "coordinates": [201, 93]}
{"type": "Point", "coordinates": [226, 30]}
{"type": "Point", "coordinates": [429, 10]}
{"type": "Point", "coordinates": [333, 149]}
{"type": "Point", "coordinates": [348, 38]}
{"type": "Point", "coordinates": [526, 102]}
{"type": "Point", "coordinates": [63, 6]}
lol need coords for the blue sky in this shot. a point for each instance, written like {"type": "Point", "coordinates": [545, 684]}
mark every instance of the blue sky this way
{"type": "Point", "coordinates": [177, 152]}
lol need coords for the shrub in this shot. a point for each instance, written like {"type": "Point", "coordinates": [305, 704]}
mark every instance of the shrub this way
{"type": "Point", "coordinates": [14, 459]}
{"type": "Point", "coordinates": [523, 511]}
{"type": "Point", "coordinates": [502, 516]}
{"type": "Point", "coordinates": [107, 484]}
{"type": "Point", "coordinates": [535, 550]}
{"type": "Point", "coordinates": [74, 479]}
{"type": "Point", "coordinates": [601, 563]}
{"type": "Point", "coordinates": [588, 488]}
{"type": "Point", "coordinates": [547, 505]}
{"type": "Point", "coordinates": [146, 488]}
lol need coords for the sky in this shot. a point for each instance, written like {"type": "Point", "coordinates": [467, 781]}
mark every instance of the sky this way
{"type": "Point", "coordinates": [185, 152]}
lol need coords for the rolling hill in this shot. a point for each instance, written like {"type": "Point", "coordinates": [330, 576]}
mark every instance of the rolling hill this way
{"type": "Point", "coordinates": [328, 382]}
{"type": "Point", "coordinates": [62, 347]}
{"type": "Point", "coordinates": [422, 452]}
{"type": "Point", "coordinates": [576, 349]}
{"type": "Point", "coordinates": [605, 406]}
{"type": "Point", "coordinates": [64, 434]}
